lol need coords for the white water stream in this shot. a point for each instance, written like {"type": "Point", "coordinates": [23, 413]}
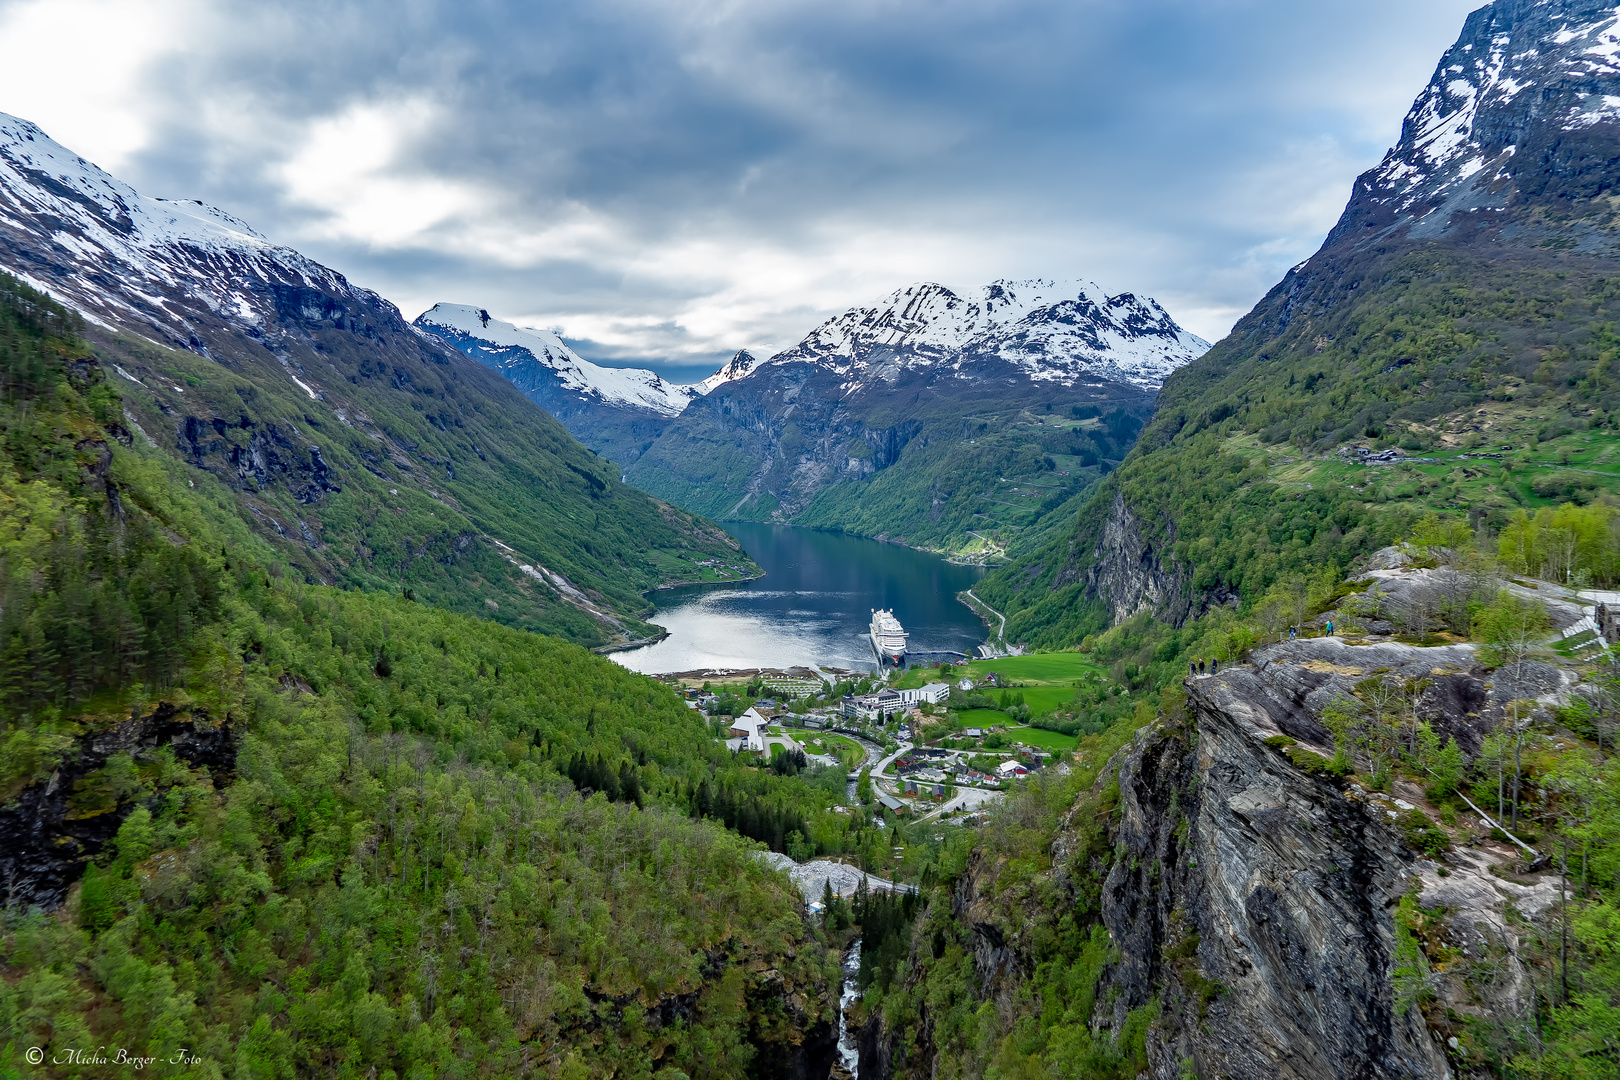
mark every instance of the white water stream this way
{"type": "Point", "coordinates": [848, 1053]}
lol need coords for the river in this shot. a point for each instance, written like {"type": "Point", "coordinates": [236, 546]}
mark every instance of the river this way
{"type": "Point", "coordinates": [813, 606]}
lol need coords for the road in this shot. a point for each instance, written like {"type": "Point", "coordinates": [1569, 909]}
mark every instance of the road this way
{"type": "Point", "coordinates": [879, 769]}
{"type": "Point", "coordinates": [1001, 635]}
{"type": "Point", "coordinates": [966, 798]}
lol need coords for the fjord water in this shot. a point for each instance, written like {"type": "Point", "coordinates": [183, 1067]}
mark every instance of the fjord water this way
{"type": "Point", "coordinates": [813, 606]}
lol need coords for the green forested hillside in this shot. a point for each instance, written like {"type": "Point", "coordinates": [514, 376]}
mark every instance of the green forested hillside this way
{"type": "Point", "coordinates": [983, 489]}
{"type": "Point", "coordinates": [1496, 376]}
{"type": "Point", "coordinates": [970, 466]}
{"type": "Point", "coordinates": [416, 479]}
{"type": "Point", "coordinates": [327, 832]}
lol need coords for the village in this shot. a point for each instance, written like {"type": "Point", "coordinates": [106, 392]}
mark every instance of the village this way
{"type": "Point", "coordinates": [902, 758]}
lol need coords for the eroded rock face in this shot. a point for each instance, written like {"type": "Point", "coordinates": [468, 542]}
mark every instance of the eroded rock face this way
{"type": "Point", "coordinates": [51, 829]}
{"type": "Point", "coordinates": [1257, 901]}
{"type": "Point", "coordinates": [1291, 682]}
{"type": "Point", "coordinates": [1129, 574]}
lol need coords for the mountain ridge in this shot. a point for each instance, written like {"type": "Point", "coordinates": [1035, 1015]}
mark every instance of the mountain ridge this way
{"type": "Point", "coordinates": [366, 450]}
{"type": "Point", "coordinates": [617, 412]}
{"type": "Point", "coordinates": [1054, 330]}
{"type": "Point", "coordinates": [899, 418]}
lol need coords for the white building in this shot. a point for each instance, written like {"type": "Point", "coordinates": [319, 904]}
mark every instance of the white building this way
{"type": "Point", "coordinates": [933, 693]}
{"type": "Point", "coordinates": [876, 707]}
{"type": "Point", "coordinates": [1010, 768]}
{"type": "Point", "coordinates": [750, 727]}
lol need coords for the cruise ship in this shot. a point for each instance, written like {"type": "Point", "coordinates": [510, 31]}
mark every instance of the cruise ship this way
{"type": "Point", "coordinates": [888, 637]}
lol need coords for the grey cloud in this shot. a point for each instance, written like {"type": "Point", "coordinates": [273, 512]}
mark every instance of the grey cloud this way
{"type": "Point", "coordinates": [1189, 150]}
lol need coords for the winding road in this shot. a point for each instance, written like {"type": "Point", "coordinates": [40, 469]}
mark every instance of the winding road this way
{"type": "Point", "coordinates": [1001, 635]}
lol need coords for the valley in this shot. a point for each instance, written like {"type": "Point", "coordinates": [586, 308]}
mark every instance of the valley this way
{"type": "Point", "coordinates": [389, 698]}
{"type": "Point", "coordinates": [956, 424]}
{"type": "Point", "coordinates": [915, 419]}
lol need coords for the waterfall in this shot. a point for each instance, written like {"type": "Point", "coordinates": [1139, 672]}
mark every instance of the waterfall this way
{"type": "Point", "coordinates": [848, 1055]}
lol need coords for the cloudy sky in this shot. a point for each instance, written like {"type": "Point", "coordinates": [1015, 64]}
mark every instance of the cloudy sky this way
{"type": "Point", "coordinates": [666, 181]}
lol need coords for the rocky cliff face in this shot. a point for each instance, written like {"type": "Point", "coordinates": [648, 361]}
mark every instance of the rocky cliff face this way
{"type": "Point", "coordinates": [1257, 901]}
{"type": "Point", "coordinates": [1253, 898]}
{"type": "Point", "coordinates": [1129, 571]}
{"type": "Point", "coordinates": [49, 830]}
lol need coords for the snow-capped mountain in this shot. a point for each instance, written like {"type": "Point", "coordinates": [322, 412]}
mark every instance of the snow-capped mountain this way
{"type": "Point", "coordinates": [128, 260]}
{"type": "Point", "coordinates": [738, 366]}
{"type": "Point", "coordinates": [506, 347]}
{"type": "Point", "coordinates": [327, 414]}
{"type": "Point", "coordinates": [618, 412]}
{"type": "Point", "coordinates": [1051, 330]}
{"type": "Point", "coordinates": [1523, 109]}
{"type": "Point", "coordinates": [901, 396]}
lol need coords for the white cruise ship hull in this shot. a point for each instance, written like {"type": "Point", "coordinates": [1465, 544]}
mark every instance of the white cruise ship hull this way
{"type": "Point", "coordinates": [887, 652]}
{"type": "Point", "coordinates": [888, 637]}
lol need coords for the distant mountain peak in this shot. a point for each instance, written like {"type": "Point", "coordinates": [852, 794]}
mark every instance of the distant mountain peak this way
{"type": "Point", "coordinates": [738, 366]}
{"type": "Point", "coordinates": [500, 345]}
{"type": "Point", "coordinates": [1053, 330]}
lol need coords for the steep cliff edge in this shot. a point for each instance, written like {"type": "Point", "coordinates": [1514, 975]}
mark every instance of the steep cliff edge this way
{"type": "Point", "coordinates": [1257, 902]}
{"type": "Point", "coordinates": [1230, 905]}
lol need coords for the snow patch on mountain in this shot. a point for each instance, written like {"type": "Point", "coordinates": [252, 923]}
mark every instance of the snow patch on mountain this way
{"type": "Point", "coordinates": [1054, 330]}
{"type": "Point", "coordinates": [502, 345]}
{"type": "Point", "coordinates": [157, 250]}
{"type": "Point", "coordinates": [736, 368]}
{"type": "Point", "coordinates": [1472, 115]}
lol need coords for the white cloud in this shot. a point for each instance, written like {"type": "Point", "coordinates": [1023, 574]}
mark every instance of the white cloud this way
{"type": "Point", "coordinates": [76, 67]}
{"type": "Point", "coordinates": [352, 169]}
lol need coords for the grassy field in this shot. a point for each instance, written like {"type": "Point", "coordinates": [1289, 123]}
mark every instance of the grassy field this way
{"type": "Point", "coordinates": [983, 717]}
{"type": "Point", "coordinates": [1045, 699]}
{"type": "Point", "coordinates": [1046, 740]}
{"type": "Point", "coordinates": [1528, 471]}
{"type": "Point", "coordinates": [846, 750]}
{"type": "Point", "coordinates": [1037, 669]}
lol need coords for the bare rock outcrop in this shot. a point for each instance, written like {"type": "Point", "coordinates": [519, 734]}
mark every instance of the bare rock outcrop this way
{"type": "Point", "coordinates": [50, 829]}
{"type": "Point", "coordinates": [1129, 573]}
{"type": "Point", "coordinates": [1257, 901]}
